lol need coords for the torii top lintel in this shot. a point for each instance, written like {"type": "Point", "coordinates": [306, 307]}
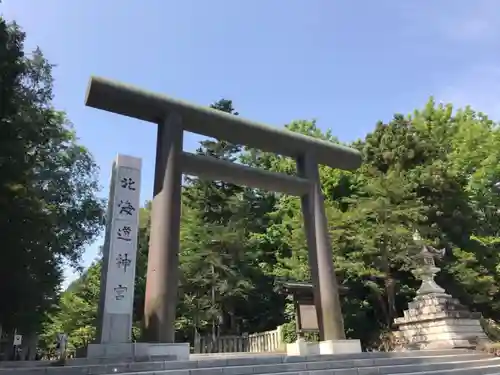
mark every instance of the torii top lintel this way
{"type": "Point", "coordinates": [131, 101]}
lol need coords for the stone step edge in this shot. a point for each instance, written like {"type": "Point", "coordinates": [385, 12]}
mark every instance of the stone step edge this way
{"type": "Point", "coordinates": [238, 356]}
{"type": "Point", "coordinates": [423, 372]}
{"type": "Point", "coordinates": [197, 365]}
{"type": "Point", "coordinates": [341, 367]}
{"type": "Point", "coordinates": [434, 317]}
{"type": "Point", "coordinates": [254, 358]}
{"type": "Point", "coordinates": [449, 371]}
{"type": "Point", "coordinates": [372, 365]}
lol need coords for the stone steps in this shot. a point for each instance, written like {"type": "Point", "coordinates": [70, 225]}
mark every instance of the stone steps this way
{"type": "Point", "coordinates": [478, 370]}
{"type": "Point", "coordinates": [349, 367]}
{"type": "Point", "coordinates": [475, 367]}
{"type": "Point", "coordinates": [418, 362]}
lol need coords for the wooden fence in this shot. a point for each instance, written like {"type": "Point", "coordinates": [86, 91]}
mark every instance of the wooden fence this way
{"type": "Point", "coordinates": [270, 341]}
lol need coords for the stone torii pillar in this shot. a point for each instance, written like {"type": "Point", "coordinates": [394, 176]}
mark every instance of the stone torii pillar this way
{"type": "Point", "coordinates": [330, 320]}
{"type": "Point", "coordinates": [163, 263]}
{"type": "Point", "coordinates": [173, 117]}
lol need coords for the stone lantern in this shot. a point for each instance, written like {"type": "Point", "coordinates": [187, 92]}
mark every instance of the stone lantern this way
{"type": "Point", "coordinates": [434, 319]}
{"type": "Point", "coordinates": [426, 270]}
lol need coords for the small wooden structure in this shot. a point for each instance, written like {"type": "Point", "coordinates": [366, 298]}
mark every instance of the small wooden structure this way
{"type": "Point", "coordinates": [305, 309]}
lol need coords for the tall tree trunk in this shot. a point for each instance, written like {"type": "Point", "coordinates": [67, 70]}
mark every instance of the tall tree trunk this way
{"type": "Point", "coordinates": [389, 285]}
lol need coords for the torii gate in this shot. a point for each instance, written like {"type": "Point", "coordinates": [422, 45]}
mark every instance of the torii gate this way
{"type": "Point", "coordinates": [173, 117]}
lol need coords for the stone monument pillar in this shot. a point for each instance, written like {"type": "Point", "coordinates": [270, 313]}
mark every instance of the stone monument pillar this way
{"type": "Point", "coordinates": [114, 325]}
{"type": "Point", "coordinates": [435, 319]}
{"type": "Point", "coordinates": [120, 252]}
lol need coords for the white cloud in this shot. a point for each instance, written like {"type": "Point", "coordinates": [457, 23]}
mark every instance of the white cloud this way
{"type": "Point", "coordinates": [475, 29]}
{"type": "Point", "coordinates": [472, 31]}
{"type": "Point", "coordinates": [453, 21]}
{"type": "Point", "coordinates": [479, 87]}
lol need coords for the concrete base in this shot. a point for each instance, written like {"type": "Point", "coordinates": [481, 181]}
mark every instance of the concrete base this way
{"type": "Point", "coordinates": [443, 334]}
{"type": "Point", "coordinates": [340, 347]}
{"type": "Point", "coordinates": [439, 321]}
{"type": "Point", "coordinates": [304, 348]}
{"type": "Point", "coordinates": [140, 351]}
{"type": "Point", "coordinates": [300, 347]}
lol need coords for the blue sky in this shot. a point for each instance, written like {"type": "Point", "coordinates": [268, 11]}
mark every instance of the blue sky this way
{"type": "Point", "coordinates": [345, 63]}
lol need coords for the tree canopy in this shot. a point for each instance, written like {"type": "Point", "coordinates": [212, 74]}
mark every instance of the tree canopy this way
{"type": "Point", "coordinates": [433, 171]}
{"type": "Point", "coordinates": [49, 211]}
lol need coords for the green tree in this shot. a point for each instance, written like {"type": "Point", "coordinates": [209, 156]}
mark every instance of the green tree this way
{"type": "Point", "coordinates": [451, 158]}
{"type": "Point", "coordinates": [375, 252]}
{"type": "Point", "coordinates": [432, 171]}
{"type": "Point", "coordinates": [76, 312]}
{"type": "Point", "coordinates": [48, 207]}
{"type": "Point", "coordinates": [218, 257]}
